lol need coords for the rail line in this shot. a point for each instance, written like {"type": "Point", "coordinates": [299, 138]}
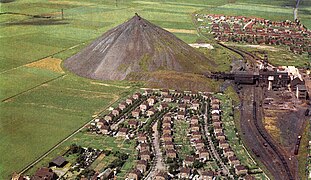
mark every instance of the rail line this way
{"type": "Point", "coordinates": [267, 139]}
{"type": "Point", "coordinates": [253, 60]}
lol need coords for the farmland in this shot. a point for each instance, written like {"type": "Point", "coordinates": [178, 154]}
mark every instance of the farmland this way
{"type": "Point", "coordinates": [41, 105]}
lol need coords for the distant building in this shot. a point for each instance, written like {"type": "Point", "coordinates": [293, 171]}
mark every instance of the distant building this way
{"type": "Point", "coordinates": [59, 161]}
{"type": "Point", "coordinates": [134, 175]}
{"type": "Point", "coordinates": [301, 92]}
{"type": "Point", "coordinates": [162, 176]}
{"type": "Point", "coordinates": [207, 175]}
{"type": "Point", "coordinates": [44, 174]}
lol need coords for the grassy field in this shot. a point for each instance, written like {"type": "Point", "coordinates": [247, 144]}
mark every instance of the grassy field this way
{"type": "Point", "coordinates": [39, 105]}
{"type": "Point", "coordinates": [181, 140]}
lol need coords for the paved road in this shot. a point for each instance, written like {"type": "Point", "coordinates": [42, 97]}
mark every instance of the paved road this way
{"type": "Point", "coordinates": [159, 164]}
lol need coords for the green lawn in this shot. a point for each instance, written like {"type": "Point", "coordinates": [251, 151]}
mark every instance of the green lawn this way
{"type": "Point", "coordinates": [181, 140]}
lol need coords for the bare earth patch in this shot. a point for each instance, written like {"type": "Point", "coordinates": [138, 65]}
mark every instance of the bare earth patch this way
{"type": "Point", "coordinates": [187, 31]}
{"type": "Point", "coordinates": [52, 64]}
{"type": "Point", "coordinates": [263, 47]}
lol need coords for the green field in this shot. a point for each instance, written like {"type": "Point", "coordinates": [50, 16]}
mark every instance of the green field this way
{"type": "Point", "coordinates": [39, 107]}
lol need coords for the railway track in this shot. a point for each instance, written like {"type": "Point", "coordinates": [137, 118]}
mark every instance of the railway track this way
{"type": "Point", "coordinates": [253, 60]}
{"type": "Point", "coordinates": [268, 139]}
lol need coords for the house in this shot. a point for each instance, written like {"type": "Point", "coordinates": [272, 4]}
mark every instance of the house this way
{"type": "Point", "coordinates": [109, 117]}
{"type": "Point", "coordinates": [228, 152]}
{"type": "Point", "coordinates": [44, 173]}
{"type": "Point", "coordinates": [101, 122]}
{"type": "Point", "coordinates": [165, 92]}
{"type": "Point", "coordinates": [142, 166]}
{"type": "Point", "coordinates": [122, 106]}
{"type": "Point", "coordinates": [129, 101]}
{"type": "Point", "coordinates": [16, 176]}
{"type": "Point", "coordinates": [59, 162]}
{"type": "Point", "coordinates": [215, 107]}
{"type": "Point", "coordinates": [249, 177]}
{"type": "Point", "coordinates": [169, 145]}
{"type": "Point", "coordinates": [122, 132]}
{"type": "Point", "coordinates": [162, 176]}
{"type": "Point", "coordinates": [215, 101]}
{"type": "Point", "coordinates": [217, 129]}
{"type": "Point", "coordinates": [215, 117]}
{"type": "Point", "coordinates": [185, 173]}
{"type": "Point", "coordinates": [134, 175]}
{"type": "Point", "coordinates": [167, 130]}
{"type": "Point", "coordinates": [168, 98]}
{"type": "Point", "coordinates": [163, 106]}
{"type": "Point", "coordinates": [301, 92]}
{"type": "Point", "coordinates": [182, 107]}
{"type": "Point", "coordinates": [223, 144]}
{"type": "Point", "coordinates": [136, 96]}
{"type": "Point", "coordinates": [196, 135]}
{"type": "Point", "coordinates": [194, 127]}
{"type": "Point", "coordinates": [194, 120]}
{"type": "Point", "coordinates": [167, 137]}
{"type": "Point", "coordinates": [207, 175]}
{"type": "Point", "coordinates": [188, 162]}
{"type": "Point", "coordinates": [187, 99]}
{"type": "Point", "coordinates": [233, 161]}
{"type": "Point", "coordinates": [199, 144]}
{"type": "Point", "coordinates": [181, 115]}
{"type": "Point", "coordinates": [171, 153]}
{"type": "Point", "coordinates": [144, 106]}
{"type": "Point", "coordinates": [133, 123]}
{"type": "Point", "coordinates": [166, 123]}
{"type": "Point", "coordinates": [203, 154]}
{"type": "Point", "coordinates": [148, 92]}
{"type": "Point", "coordinates": [240, 170]}
{"type": "Point", "coordinates": [220, 136]}
{"type": "Point", "coordinates": [167, 116]}
{"type": "Point", "coordinates": [141, 137]}
{"type": "Point", "coordinates": [136, 113]}
{"type": "Point", "coordinates": [151, 100]}
{"type": "Point", "coordinates": [116, 111]}
{"type": "Point", "coordinates": [195, 105]}
{"type": "Point", "coordinates": [145, 155]}
{"type": "Point", "coordinates": [104, 129]}
{"type": "Point", "coordinates": [107, 174]}
{"type": "Point", "coordinates": [151, 112]}
{"type": "Point", "coordinates": [217, 123]}
{"type": "Point", "coordinates": [144, 147]}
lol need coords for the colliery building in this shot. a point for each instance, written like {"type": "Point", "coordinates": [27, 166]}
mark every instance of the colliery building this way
{"type": "Point", "coordinates": [284, 77]}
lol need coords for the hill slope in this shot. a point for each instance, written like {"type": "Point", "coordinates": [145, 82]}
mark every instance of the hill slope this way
{"type": "Point", "coordinates": [135, 46]}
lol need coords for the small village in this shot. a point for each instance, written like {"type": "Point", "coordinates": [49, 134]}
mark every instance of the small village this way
{"type": "Point", "coordinates": [178, 135]}
{"type": "Point", "coordinates": [260, 31]}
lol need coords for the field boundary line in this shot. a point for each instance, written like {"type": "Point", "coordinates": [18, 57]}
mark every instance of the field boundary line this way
{"type": "Point", "coordinates": [30, 165]}
{"type": "Point", "coordinates": [39, 85]}
{"type": "Point", "coordinates": [72, 47]}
